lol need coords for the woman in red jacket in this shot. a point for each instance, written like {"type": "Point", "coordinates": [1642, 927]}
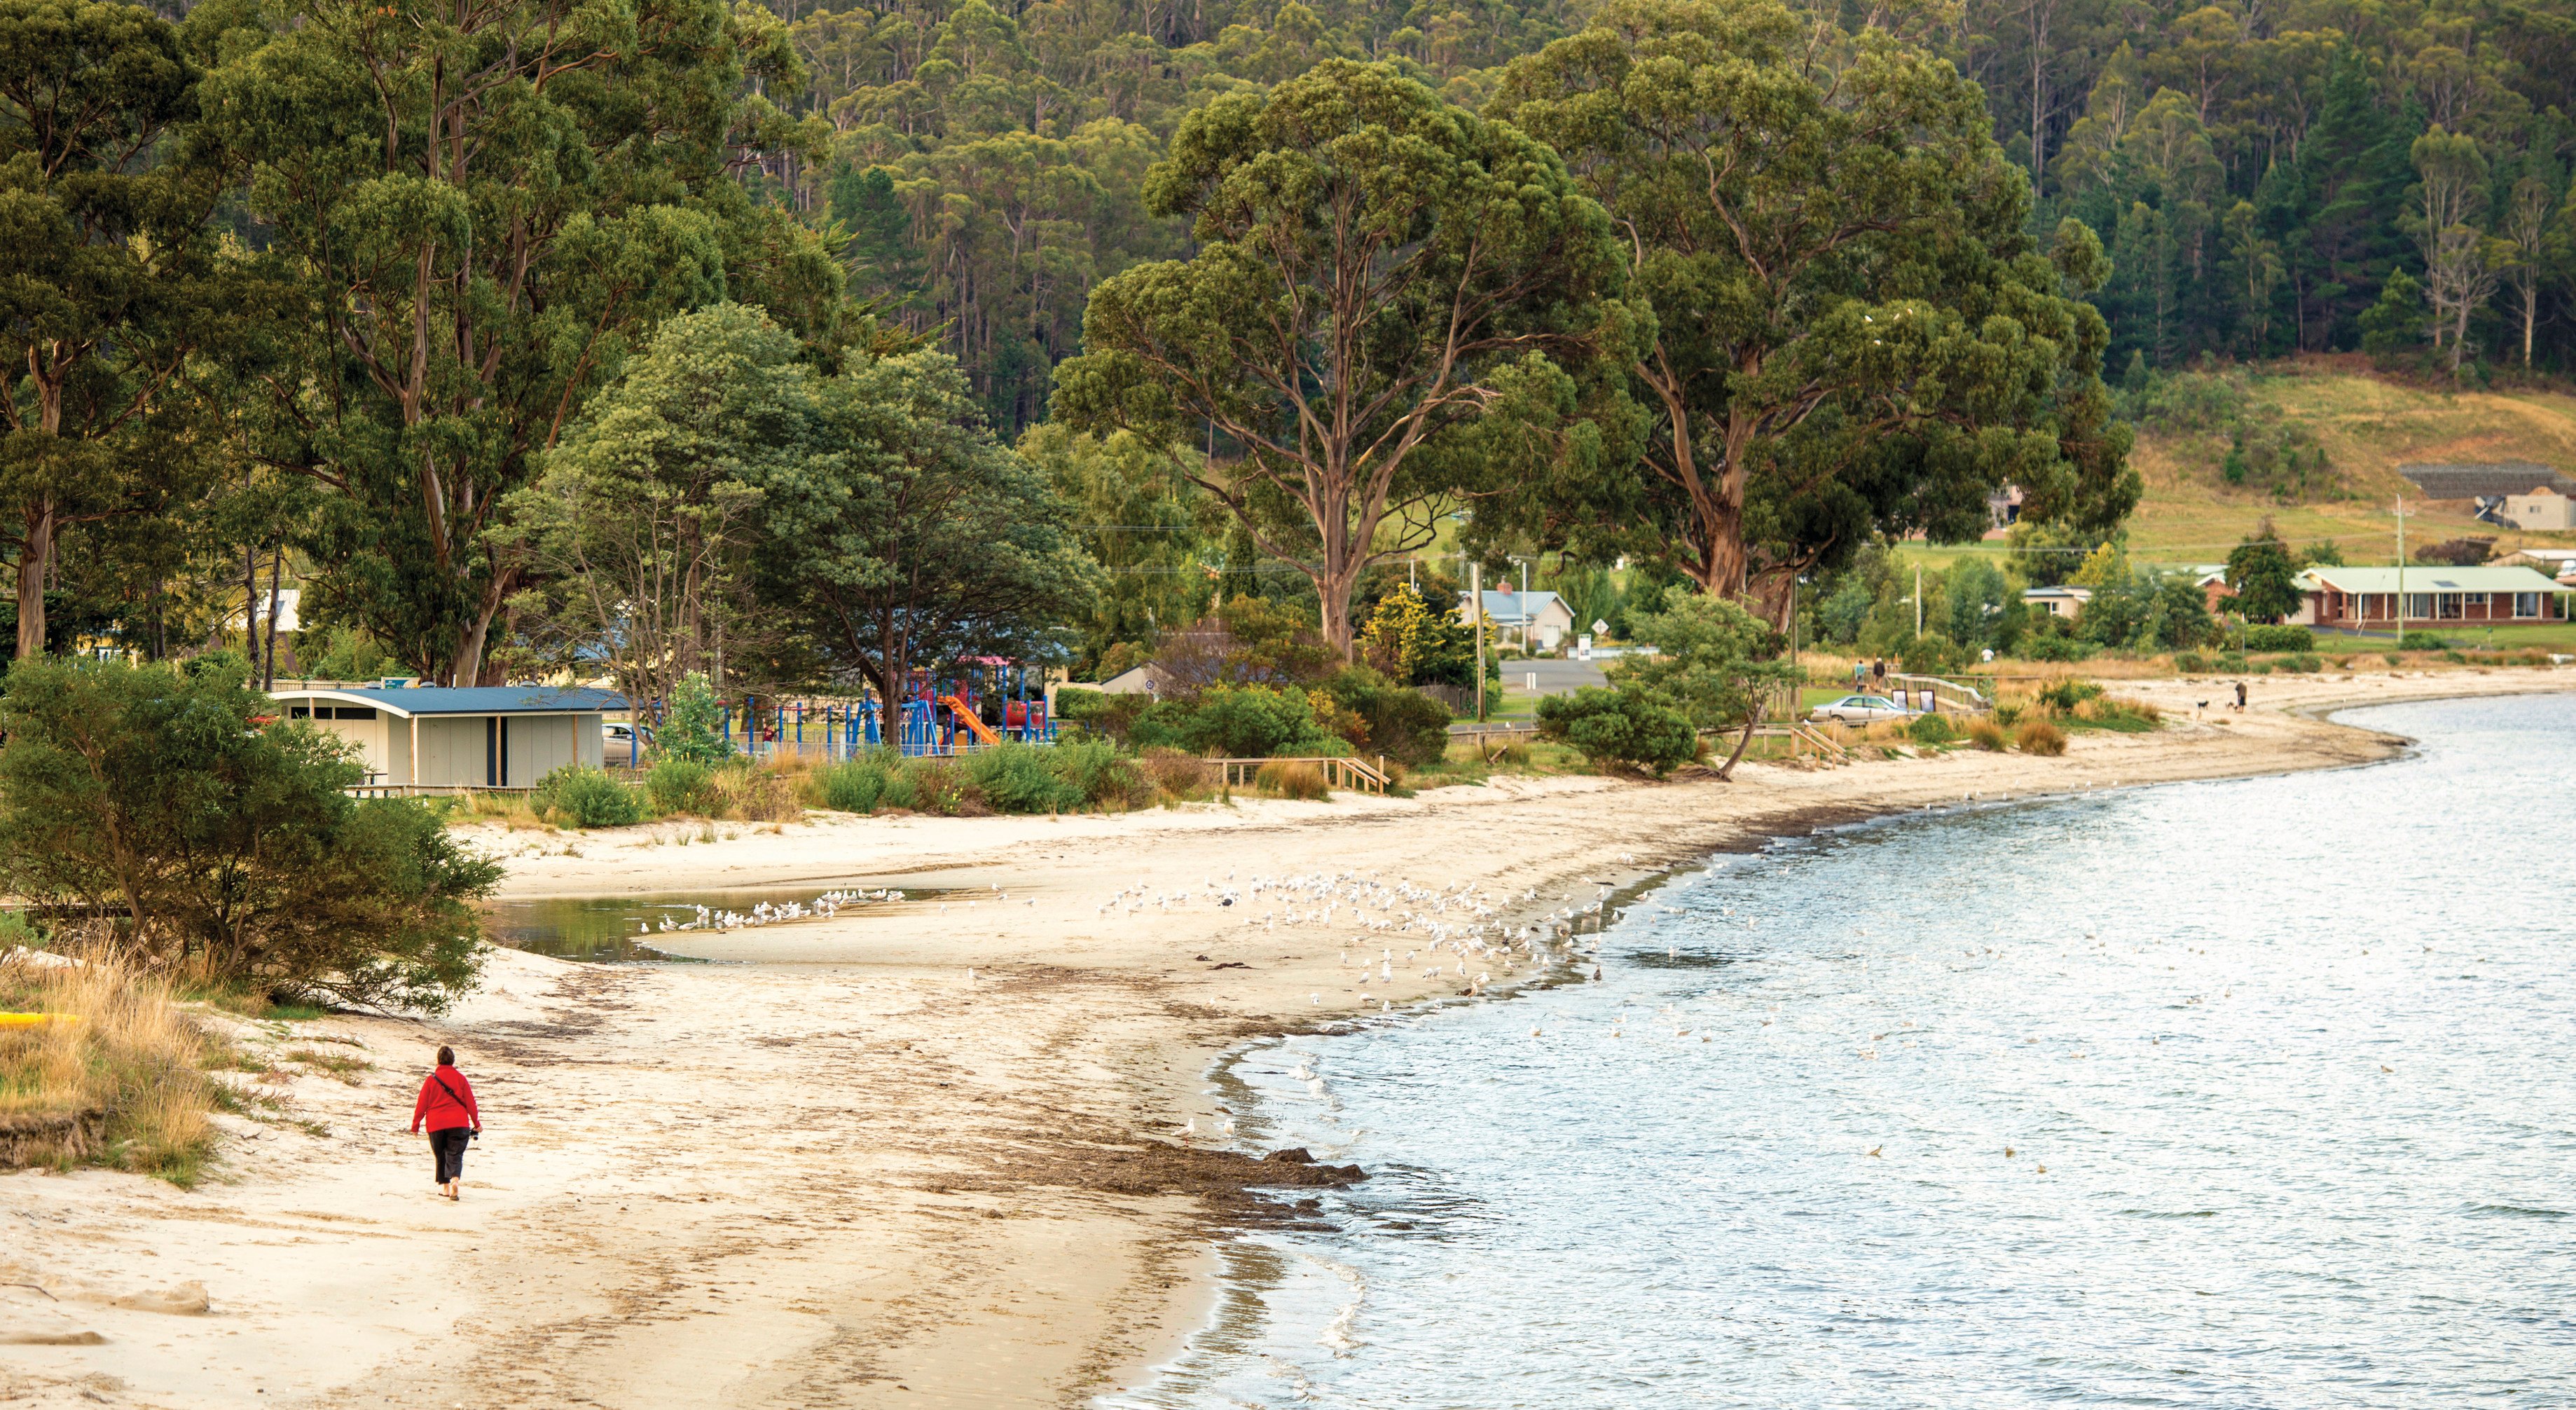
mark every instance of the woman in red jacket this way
{"type": "Point", "coordinates": [447, 1105]}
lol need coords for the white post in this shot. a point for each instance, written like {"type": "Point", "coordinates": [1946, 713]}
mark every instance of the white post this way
{"type": "Point", "coordinates": [1476, 597]}
{"type": "Point", "coordinates": [2401, 572]}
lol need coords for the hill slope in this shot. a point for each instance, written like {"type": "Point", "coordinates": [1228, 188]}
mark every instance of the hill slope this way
{"type": "Point", "coordinates": [2366, 426]}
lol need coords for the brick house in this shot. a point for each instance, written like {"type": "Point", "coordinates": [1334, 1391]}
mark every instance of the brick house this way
{"type": "Point", "coordinates": [2436, 596]}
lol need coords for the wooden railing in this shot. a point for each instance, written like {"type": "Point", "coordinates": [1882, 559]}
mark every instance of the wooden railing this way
{"type": "Point", "coordinates": [1340, 771]}
{"type": "Point", "coordinates": [428, 790]}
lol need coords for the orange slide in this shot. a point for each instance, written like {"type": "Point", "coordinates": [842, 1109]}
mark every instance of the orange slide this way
{"type": "Point", "coordinates": [957, 708]}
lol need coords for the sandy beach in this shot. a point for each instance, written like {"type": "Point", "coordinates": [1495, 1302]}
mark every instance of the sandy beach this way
{"type": "Point", "coordinates": [954, 1151]}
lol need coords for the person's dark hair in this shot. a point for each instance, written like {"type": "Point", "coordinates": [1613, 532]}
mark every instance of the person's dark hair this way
{"type": "Point", "coordinates": [447, 1057]}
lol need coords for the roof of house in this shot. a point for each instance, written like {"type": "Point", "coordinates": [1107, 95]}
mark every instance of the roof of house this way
{"type": "Point", "coordinates": [2431, 577]}
{"type": "Point", "coordinates": [1514, 606]}
{"type": "Point", "coordinates": [407, 701]}
{"type": "Point", "coordinates": [2080, 594]}
{"type": "Point", "coordinates": [2485, 481]}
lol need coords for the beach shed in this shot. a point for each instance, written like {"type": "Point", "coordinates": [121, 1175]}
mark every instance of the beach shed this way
{"type": "Point", "coordinates": [443, 738]}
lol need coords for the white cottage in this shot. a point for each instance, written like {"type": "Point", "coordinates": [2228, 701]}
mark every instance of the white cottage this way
{"type": "Point", "coordinates": [442, 737]}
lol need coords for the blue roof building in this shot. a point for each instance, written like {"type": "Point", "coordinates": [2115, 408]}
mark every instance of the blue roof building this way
{"type": "Point", "coordinates": [442, 739]}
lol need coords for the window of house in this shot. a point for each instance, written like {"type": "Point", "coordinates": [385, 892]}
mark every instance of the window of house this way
{"type": "Point", "coordinates": [2419, 605]}
{"type": "Point", "coordinates": [2526, 604]}
{"type": "Point", "coordinates": [2449, 602]}
{"type": "Point", "coordinates": [354, 712]}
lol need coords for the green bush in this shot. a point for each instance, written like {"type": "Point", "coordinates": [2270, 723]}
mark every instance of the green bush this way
{"type": "Point", "coordinates": [2051, 647]}
{"type": "Point", "coordinates": [1237, 722]}
{"type": "Point", "coordinates": [1403, 724]}
{"type": "Point", "coordinates": [585, 797]}
{"type": "Point", "coordinates": [2190, 662]}
{"type": "Point", "coordinates": [1620, 727]}
{"type": "Point", "coordinates": [2064, 696]}
{"type": "Point", "coordinates": [2231, 661]}
{"type": "Point", "coordinates": [689, 724]}
{"type": "Point", "coordinates": [1103, 777]}
{"type": "Point", "coordinates": [2305, 661]}
{"type": "Point", "coordinates": [1015, 778]}
{"type": "Point", "coordinates": [853, 785]}
{"type": "Point", "coordinates": [1932, 654]}
{"type": "Point", "coordinates": [157, 798]}
{"type": "Point", "coordinates": [2263, 638]}
{"type": "Point", "coordinates": [682, 786]}
{"type": "Point", "coordinates": [2424, 641]}
{"type": "Point", "coordinates": [1931, 729]}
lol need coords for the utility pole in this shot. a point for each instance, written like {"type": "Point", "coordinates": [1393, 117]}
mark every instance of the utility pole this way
{"type": "Point", "coordinates": [1476, 597]}
{"type": "Point", "coordinates": [2400, 614]}
{"type": "Point", "coordinates": [1918, 599]}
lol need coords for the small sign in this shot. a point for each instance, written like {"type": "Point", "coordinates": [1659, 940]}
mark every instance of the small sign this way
{"type": "Point", "coordinates": [1583, 647]}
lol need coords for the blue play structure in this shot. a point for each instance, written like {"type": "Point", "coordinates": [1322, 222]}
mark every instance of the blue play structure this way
{"type": "Point", "coordinates": [989, 701]}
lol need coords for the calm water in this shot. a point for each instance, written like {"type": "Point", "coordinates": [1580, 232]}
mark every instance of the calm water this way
{"type": "Point", "coordinates": [2244, 1094]}
{"type": "Point", "coordinates": [612, 929]}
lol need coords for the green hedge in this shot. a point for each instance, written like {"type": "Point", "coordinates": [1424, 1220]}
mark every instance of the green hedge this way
{"type": "Point", "coordinates": [2262, 638]}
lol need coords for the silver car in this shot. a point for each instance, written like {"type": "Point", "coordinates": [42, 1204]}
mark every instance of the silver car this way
{"type": "Point", "coordinates": [1859, 710]}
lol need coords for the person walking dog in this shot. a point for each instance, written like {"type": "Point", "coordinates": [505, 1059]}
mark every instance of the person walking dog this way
{"type": "Point", "coordinates": [446, 1105]}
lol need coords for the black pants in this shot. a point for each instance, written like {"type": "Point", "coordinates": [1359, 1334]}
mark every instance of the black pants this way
{"type": "Point", "coordinates": [447, 1153]}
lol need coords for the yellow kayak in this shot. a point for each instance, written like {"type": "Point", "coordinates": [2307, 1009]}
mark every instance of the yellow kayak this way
{"type": "Point", "coordinates": [35, 1020]}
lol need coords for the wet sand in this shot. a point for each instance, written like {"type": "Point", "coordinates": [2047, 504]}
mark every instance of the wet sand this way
{"type": "Point", "coordinates": [852, 1174]}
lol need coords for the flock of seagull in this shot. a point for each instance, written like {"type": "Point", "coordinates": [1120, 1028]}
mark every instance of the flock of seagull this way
{"type": "Point", "coordinates": [822, 907]}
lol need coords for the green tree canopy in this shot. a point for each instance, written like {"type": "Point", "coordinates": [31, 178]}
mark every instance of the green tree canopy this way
{"type": "Point", "coordinates": [1852, 333]}
{"type": "Point", "coordinates": [101, 243]}
{"type": "Point", "coordinates": [2264, 574]}
{"type": "Point", "coordinates": [466, 219]}
{"type": "Point", "coordinates": [911, 537]}
{"type": "Point", "coordinates": [1378, 273]}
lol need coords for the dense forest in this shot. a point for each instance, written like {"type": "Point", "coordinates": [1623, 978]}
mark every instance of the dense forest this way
{"type": "Point", "coordinates": [339, 296]}
{"type": "Point", "coordinates": [2258, 172]}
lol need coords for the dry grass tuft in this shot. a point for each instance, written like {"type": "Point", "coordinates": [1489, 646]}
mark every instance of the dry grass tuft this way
{"type": "Point", "coordinates": [758, 795]}
{"type": "Point", "coordinates": [1989, 736]}
{"type": "Point", "coordinates": [2041, 737]}
{"type": "Point", "coordinates": [1292, 780]}
{"type": "Point", "coordinates": [123, 1085]}
{"type": "Point", "coordinates": [1177, 773]}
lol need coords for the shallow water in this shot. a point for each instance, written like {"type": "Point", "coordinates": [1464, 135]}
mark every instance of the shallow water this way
{"type": "Point", "coordinates": [627, 929]}
{"type": "Point", "coordinates": [2249, 1093]}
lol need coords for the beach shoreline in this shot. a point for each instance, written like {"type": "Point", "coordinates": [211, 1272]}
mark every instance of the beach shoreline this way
{"type": "Point", "coordinates": [928, 1153]}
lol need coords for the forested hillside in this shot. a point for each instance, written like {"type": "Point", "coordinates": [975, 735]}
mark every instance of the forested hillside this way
{"type": "Point", "coordinates": [2257, 172]}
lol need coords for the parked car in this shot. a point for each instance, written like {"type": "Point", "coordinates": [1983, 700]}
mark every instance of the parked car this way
{"type": "Point", "coordinates": [621, 734]}
{"type": "Point", "coordinates": [1859, 710]}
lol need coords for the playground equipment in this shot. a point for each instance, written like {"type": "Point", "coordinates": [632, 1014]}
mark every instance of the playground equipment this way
{"type": "Point", "coordinates": [987, 702]}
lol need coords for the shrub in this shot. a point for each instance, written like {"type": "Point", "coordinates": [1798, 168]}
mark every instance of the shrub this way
{"type": "Point", "coordinates": [852, 786]}
{"type": "Point", "coordinates": [2050, 647]}
{"type": "Point", "coordinates": [2041, 737]}
{"type": "Point", "coordinates": [2263, 638]}
{"type": "Point", "coordinates": [2231, 661]}
{"type": "Point", "coordinates": [1238, 722]}
{"type": "Point", "coordinates": [1099, 774]}
{"type": "Point", "coordinates": [1177, 772]}
{"type": "Point", "coordinates": [1292, 780]}
{"type": "Point", "coordinates": [1931, 654]}
{"type": "Point", "coordinates": [757, 795]}
{"type": "Point", "coordinates": [689, 724]}
{"type": "Point", "coordinates": [1015, 778]}
{"type": "Point", "coordinates": [1620, 727]}
{"type": "Point", "coordinates": [155, 797]}
{"type": "Point", "coordinates": [941, 786]}
{"type": "Point", "coordinates": [2304, 661]}
{"type": "Point", "coordinates": [2190, 663]}
{"type": "Point", "coordinates": [679, 785]}
{"type": "Point", "coordinates": [585, 797]}
{"type": "Point", "coordinates": [2392, 658]}
{"type": "Point", "coordinates": [2064, 696]}
{"type": "Point", "coordinates": [1931, 729]}
{"type": "Point", "coordinates": [1989, 736]}
{"type": "Point", "coordinates": [1398, 721]}
{"type": "Point", "coordinates": [2423, 641]}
